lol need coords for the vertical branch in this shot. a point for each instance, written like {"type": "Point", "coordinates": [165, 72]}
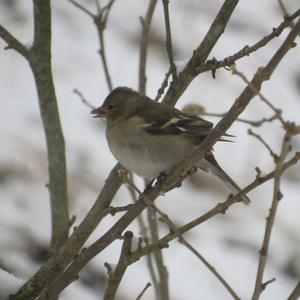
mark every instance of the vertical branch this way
{"type": "Point", "coordinates": [163, 292]}
{"type": "Point", "coordinates": [144, 45]}
{"type": "Point", "coordinates": [117, 275]}
{"type": "Point", "coordinates": [100, 20]}
{"type": "Point", "coordinates": [169, 39]}
{"type": "Point", "coordinates": [259, 285]}
{"type": "Point", "coordinates": [143, 231]}
{"type": "Point", "coordinates": [41, 67]}
{"type": "Point", "coordinates": [161, 288]}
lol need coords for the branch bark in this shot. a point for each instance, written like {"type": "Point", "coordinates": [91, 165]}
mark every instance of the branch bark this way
{"type": "Point", "coordinates": [41, 67]}
{"type": "Point", "coordinates": [144, 45]}
{"type": "Point", "coordinates": [39, 58]}
{"type": "Point", "coordinates": [200, 55]}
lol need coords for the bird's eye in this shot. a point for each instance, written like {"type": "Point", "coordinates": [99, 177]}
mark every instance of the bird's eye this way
{"type": "Point", "coordinates": [110, 106]}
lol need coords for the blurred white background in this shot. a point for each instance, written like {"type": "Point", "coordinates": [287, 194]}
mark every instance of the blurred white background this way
{"type": "Point", "coordinates": [230, 242]}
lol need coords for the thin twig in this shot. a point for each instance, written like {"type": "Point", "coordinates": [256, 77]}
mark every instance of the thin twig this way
{"type": "Point", "coordinates": [169, 39]}
{"type": "Point", "coordinates": [246, 51]}
{"type": "Point", "coordinates": [143, 230]}
{"type": "Point", "coordinates": [253, 123]}
{"type": "Point", "coordinates": [83, 99]}
{"type": "Point", "coordinates": [139, 297]}
{"type": "Point", "coordinates": [100, 20]}
{"type": "Point", "coordinates": [117, 275]}
{"type": "Point", "coordinates": [184, 242]}
{"type": "Point", "coordinates": [272, 153]}
{"type": "Point", "coordinates": [295, 293]}
{"type": "Point", "coordinates": [14, 43]}
{"type": "Point", "coordinates": [277, 196]}
{"type": "Point", "coordinates": [164, 84]}
{"type": "Point", "coordinates": [201, 53]}
{"type": "Point", "coordinates": [158, 256]}
{"type": "Point", "coordinates": [277, 111]}
{"type": "Point", "coordinates": [146, 22]}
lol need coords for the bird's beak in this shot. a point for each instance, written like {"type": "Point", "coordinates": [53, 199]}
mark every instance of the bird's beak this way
{"type": "Point", "coordinates": [100, 112]}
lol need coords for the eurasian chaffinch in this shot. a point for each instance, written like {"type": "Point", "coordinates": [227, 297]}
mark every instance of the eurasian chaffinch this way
{"type": "Point", "coordinates": [148, 137]}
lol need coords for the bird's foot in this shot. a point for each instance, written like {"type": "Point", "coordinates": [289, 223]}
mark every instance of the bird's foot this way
{"type": "Point", "coordinates": [192, 171]}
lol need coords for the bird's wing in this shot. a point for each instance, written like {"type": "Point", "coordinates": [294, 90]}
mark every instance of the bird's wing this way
{"type": "Point", "coordinates": [166, 120]}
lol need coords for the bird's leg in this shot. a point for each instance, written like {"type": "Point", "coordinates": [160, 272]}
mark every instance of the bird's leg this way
{"type": "Point", "coordinates": [149, 185]}
{"type": "Point", "coordinates": [192, 171]}
{"type": "Point", "coordinates": [161, 177]}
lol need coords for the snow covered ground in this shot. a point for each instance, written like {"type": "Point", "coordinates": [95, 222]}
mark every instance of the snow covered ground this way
{"type": "Point", "coordinates": [229, 242]}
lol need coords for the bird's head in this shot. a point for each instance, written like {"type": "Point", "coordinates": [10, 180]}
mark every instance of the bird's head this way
{"type": "Point", "coordinates": [121, 102]}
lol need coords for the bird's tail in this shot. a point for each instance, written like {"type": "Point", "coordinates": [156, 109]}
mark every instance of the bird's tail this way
{"type": "Point", "coordinates": [226, 179]}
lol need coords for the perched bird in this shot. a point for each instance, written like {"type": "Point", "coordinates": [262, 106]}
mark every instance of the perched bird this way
{"type": "Point", "coordinates": [148, 137]}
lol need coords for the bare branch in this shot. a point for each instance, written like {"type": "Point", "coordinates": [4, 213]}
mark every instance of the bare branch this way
{"type": "Point", "coordinates": [169, 39]}
{"type": "Point", "coordinates": [220, 208]}
{"type": "Point", "coordinates": [295, 293]}
{"type": "Point", "coordinates": [81, 7]}
{"type": "Point", "coordinates": [144, 45]}
{"type": "Point", "coordinates": [83, 99]}
{"type": "Point", "coordinates": [183, 241]}
{"type": "Point", "coordinates": [164, 84]}
{"type": "Point", "coordinates": [100, 20]}
{"type": "Point", "coordinates": [250, 122]}
{"type": "Point", "coordinates": [200, 55]}
{"type": "Point", "coordinates": [277, 196]}
{"type": "Point", "coordinates": [143, 291]}
{"type": "Point", "coordinates": [272, 153]}
{"type": "Point", "coordinates": [41, 67]}
{"type": "Point", "coordinates": [158, 256]}
{"type": "Point", "coordinates": [56, 264]}
{"type": "Point", "coordinates": [214, 64]}
{"type": "Point", "coordinates": [278, 112]}
{"type": "Point", "coordinates": [14, 43]}
{"type": "Point", "coordinates": [117, 275]}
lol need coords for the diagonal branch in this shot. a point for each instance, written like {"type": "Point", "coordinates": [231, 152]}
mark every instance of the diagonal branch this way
{"type": "Point", "coordinates": [214, 64]}
{"type": "Point", "coordinates": [200, 55]}
{"type": "Point", "coordinates": [220, 208]}
{"type": "Point", "coordinates": [295, 293]}
{"type": "Point", "coordinates": [14, 43]}
{"type": "Point", "coordinates": [117, 275]}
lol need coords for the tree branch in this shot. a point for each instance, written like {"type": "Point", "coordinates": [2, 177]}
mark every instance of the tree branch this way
{"type": "Point", "coordinates": [200, 55]}
{"type": "Point", "coordinates": [295, 293]}
{"type": "Point", "coordinates": [184, 242]}
{"type": "Point", "coordinates": [277, 196]}
{"type": "Point", "coordinates": [144, 45]}
{"type": "Point", "coordinates": [56, 264]}
{"type": "Point", "coordinates": [116, 277]}
{"type": "Point", "coordinates": [169, 39]}
{"type": "Point", "coordinates": [40, 63]}
{"type": "Point", "coordinates": [100, 20]}
{"type": "Point", "coordinates": [220, 208]}
{"type": "Point", "coordinates": [14, 43]}
{"type": "Point", "coordinates": [214, 64]}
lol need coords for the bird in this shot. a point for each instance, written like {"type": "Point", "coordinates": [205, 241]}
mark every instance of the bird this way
{"type": "Point", "coordinates": [148, 137]}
